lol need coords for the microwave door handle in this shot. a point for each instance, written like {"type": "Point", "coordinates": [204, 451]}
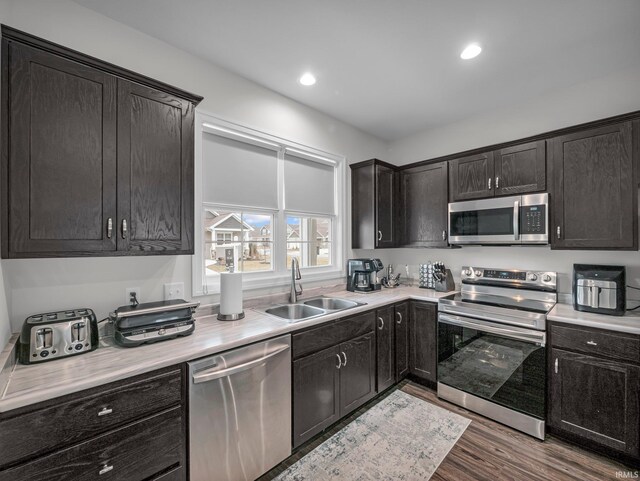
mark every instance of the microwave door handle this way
{"type": "Point", "coordinates": [516, 220]}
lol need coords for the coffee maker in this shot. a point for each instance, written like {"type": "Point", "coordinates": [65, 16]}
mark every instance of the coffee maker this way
{"type": "Point", "coordinates": [362, 275]}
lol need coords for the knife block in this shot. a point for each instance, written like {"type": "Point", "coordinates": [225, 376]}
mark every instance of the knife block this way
{"type": "Point", "coordinates": [447, 284]}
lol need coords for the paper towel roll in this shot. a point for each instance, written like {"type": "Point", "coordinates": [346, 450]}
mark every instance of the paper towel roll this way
{"type": "Point", "coordinates": [230, 293]}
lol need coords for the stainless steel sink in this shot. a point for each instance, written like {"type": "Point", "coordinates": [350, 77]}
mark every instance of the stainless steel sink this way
{"type": "Point", "coordinates": [331, 303]}
{"type": "Point", "coordinates": [311, 308]}
{"type": "Point", "coordinates": [295, 312]}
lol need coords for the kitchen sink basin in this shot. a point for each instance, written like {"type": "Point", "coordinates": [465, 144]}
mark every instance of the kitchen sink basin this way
{"type": "Point", "coordinates": [331, 303]}
{"type": "Point", "coordinates": [295, 312]}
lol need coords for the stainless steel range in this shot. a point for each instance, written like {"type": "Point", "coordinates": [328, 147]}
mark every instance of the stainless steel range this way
{"type": "Point", "coordinates": [492, 343]}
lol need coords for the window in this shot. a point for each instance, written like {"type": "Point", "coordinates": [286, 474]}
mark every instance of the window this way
{"type": "Point", "coordinates": [264, 200]}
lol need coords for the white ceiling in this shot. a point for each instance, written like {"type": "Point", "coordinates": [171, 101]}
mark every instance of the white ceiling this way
{"type": "Point", "coordinates": [392, 68]}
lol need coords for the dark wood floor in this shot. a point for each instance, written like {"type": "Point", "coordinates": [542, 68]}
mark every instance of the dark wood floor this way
{"type": "Point", "coordinates": [488, 451]}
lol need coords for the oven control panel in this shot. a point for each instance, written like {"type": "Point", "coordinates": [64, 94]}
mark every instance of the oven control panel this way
{"type": "Point", "coordinates": [509, 277]}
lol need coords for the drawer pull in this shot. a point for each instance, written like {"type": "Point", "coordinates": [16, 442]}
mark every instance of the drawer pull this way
{"type": "Point", "coordinates": [591, 343]}
{"type": "Point", "coordinates": [105, 411]}
{"type": "Point", "coordinates": [105, 469]}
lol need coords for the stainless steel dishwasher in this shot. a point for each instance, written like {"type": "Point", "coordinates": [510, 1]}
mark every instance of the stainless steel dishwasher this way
{"type": "Point", "coordinates": [240, 411]}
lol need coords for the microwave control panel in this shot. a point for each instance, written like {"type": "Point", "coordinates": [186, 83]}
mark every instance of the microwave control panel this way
{"type": "Point", "coordinates": [533, 219]}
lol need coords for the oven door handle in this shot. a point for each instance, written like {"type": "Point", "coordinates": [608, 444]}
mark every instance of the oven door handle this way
{"type": "Point", "coordinates": [522, 335]}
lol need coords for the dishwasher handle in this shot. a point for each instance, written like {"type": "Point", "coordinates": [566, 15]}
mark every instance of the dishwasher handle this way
{"type": "Point", "coordinates": [211, 374]}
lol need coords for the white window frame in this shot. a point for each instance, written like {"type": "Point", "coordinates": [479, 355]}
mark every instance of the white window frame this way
{"type": "Point", "coordinates": [280, 275]}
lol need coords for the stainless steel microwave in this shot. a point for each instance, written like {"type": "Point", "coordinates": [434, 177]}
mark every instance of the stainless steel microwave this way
{"type": "Point", "coordinates": [522, 219]}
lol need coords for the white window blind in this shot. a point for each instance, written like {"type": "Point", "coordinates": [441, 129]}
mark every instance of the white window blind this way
{"type": "Point", "coordinates": [238, 173]}
{"type": "Point", "coordinates": [309, 185]}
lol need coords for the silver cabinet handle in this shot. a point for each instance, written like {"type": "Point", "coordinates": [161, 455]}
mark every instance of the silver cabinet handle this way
{"type": "Point", "coordinates": [591, 343]}
{"type": "Point", "coordinates": [497, 182]}
{"type": "Point", "coordinates": [558, 232]}
{"type": "Point", "coordinates": [399, 321]}
{"type": "Point", "coordinates": [345, 359]}
{"type": "Point", "coordinates": [556, 365]}
{"type": "Point", "coordinates": [489, 183]}
{"type": "Point", "coordinates": [444, 235]}
{"type": "Point", "coordinates": [339, 361]}
{"type": "Point", "coordinates": [109, 227]}
{"type": "Point", "coordinates": [105, 411]}
{"type": "Point", "coordinates": [379, 235]}
{"type": "Point", "coordinates": [381, 326]}
{"type": "Point", "coordinates": [124, 228]}
{"type": "Point", "coordinates": [105, 469]}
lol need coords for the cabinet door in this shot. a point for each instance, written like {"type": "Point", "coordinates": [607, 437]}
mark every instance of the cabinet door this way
{"type": "Point", "coordinates": [471, 177]}
{"type": "Point", "coordinates": [385, 199]}
{"type": "Point", "coordinates": [385, 343]}
{"type": "Point", "coordinates": [423, 333]}
{"type": "Point", "coordinates": [520, 169]}
{"type": "Point", "coordinates": [358, 373]}
{"type": "Point", "coordinates": [402, 340]}
{"type": "Point", "coordinates": [596, 399]}
{"type": "Point", "coordinates": [594, 195]}
{"type": "Point", "coordinates": [316, 398]}
{"type": "Point", "coordinates": [155, 171]}
{"type": "Point", "coordinates": [424, 191]}
{"type": "Point", "coordinates": [60, 190]}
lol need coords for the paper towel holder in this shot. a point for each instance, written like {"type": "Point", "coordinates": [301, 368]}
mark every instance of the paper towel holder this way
{"type": "Point", "coordinates": [230, 317]}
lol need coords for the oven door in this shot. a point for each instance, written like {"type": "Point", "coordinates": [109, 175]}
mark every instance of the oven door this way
{"type": "Point", "coordinates": [487, 221]}
{"type": "Point", "coordinates": [498, 363]}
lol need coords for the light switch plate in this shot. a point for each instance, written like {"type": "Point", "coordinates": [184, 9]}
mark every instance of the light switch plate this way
{"type": "Point", "coordinates": [174, 291]}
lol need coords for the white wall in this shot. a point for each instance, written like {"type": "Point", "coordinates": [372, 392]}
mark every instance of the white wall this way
{"type": "Point", "coordinates": [38, 285]}
{"type": "Point", "coordinates": [616, 94]}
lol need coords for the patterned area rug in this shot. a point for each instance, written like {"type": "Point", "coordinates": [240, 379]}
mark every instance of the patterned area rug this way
{"type": "Point", "coordinates": [400, 438]}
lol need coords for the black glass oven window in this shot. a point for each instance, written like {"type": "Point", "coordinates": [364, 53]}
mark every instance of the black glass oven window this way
{"type": "Point", "coordinates": [482, 222]}
{"type": "Point", "coordinates": [503, 370]}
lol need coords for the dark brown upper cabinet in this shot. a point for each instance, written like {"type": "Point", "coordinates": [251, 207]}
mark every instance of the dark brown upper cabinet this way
{"type": "Point", "coordinates": [520, 169]}
{"type": "Point", "coordinates": [423, 194]}
{"type": "Point", "coordinates": [96, 160]}
{"type": "Point", "coordinates": [509, 171]}
{"type": "Point", "coordinates": [471, 177]}
{"type": "Point", "coordinates": [594, 196]}
{"type": "Point", "coordinates": [373, 205]}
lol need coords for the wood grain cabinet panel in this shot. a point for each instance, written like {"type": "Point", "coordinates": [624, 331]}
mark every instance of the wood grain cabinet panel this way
{"type": "Point", "coordinates": [423, 334]}
{"type": "Point", "coordinates": [96, 160]}
{"type": "Point", "coordinates": [385, 347]}
{"type": "Point", "coordinates": [155, 170]}
{"type": "Point", "coordinates": [424, 201]}
{"type": "Point", "coordinates": [471, 177]}
{"type": "Point", "coordinates": [61, 176]}
{"type": "Point", "coordinates": [358, 373]}
{"type": "Point", "coordinates": [402, 340]}
{"type": "Point", "coordinates": [595, 399]}
{"type": "Point", "coordinates": [520, 169]}
{"type": "Point", "coordinates": [594, 200]}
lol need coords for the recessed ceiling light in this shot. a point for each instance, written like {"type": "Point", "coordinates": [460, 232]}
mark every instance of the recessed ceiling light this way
{"type": "Point", "coordinates": [307, 79]}
{"type": "Point", "coordinates": [470, 51]}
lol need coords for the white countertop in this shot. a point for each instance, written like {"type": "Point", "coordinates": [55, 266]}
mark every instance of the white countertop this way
{"type": "Point", "coordinates": [40, 382]}
{"type": "Point", "coordinates": [629, 323]}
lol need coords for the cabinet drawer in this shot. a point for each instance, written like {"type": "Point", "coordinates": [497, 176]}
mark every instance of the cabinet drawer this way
{"type": "Point", "coordinates": [615, 345]}
{"type": "Point", "coordinates": [134, 452]}
{"type": "Point", "coordinates": [332, 333]}
{"type": "Point", "coordinates": [40, 431]}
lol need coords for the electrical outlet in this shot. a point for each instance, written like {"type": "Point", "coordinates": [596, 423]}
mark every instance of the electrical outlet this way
{"type": "Point", "coordinates": [173, 291]}
{"type": "Point", "coordinates": [127, 295]}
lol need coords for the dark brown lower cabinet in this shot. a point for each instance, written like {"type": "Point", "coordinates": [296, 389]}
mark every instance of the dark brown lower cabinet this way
{"type": "Point", "coordinates": [385, 346]}
{"type": "Point", "coordinates": [595, 399]}
{"type": "Point", "coordinates": [316, 393]}
{"type": "Point", "coordinates": [402, 340]}
{"type": "Point", "coordinates": [131, 430]}
{"type": "Point", "coordinates": [357, 373]}
{"type": "Point", "coordinates": [423, 334]}
{"type": "Point", "coordinates": [330, 383]}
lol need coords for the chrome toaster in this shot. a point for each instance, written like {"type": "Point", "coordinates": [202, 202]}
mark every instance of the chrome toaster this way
{"type": "Point", "coordinates": [53, 335]}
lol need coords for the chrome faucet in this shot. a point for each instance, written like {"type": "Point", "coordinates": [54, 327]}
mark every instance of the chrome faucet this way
{"type": "Point", "coordinates": [295, 276]}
